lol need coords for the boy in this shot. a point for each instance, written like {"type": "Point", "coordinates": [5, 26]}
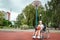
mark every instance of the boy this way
{"type": "Point", "coordinates": [38, 30]}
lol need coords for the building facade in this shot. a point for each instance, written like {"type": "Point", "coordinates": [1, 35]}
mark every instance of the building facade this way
{"type": "Point", "coordinates": [6, 15]}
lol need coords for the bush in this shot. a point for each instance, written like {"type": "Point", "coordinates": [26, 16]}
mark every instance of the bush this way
{"type": "Point", "coordinates": [24, 27]}
{"type": "Point", "coordinates": [6, 23]}
{"type": "Point", "coordinates": [1, 26]}
{"type": "Point", "coordinates": [31, 27]}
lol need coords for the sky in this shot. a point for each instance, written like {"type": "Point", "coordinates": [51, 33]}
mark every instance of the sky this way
{"type": "Point", "coordinates": [15, 7]}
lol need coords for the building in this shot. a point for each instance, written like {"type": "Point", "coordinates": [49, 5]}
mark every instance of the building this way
{"type": "Point", "coordinates": [6, 15]}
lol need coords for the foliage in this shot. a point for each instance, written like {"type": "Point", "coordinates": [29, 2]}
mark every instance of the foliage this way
{"type": "Point", "coordinates": [3, 21]}
{"type": "Point", "coordinates": [24, 27]}
{"type": "Point", "coordinates": [50, 16]}
{"type": "Point", "coordinates": [53, 10]}
{"type": "Point", "coordinates": [30, 14]}
{"type": "Point", "coordinates": [6, 23]}
{"type": "Point", "coordinates": [1, 18]}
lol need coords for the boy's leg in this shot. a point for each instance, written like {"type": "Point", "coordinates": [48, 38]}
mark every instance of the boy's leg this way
{"type": "Point", "coordinates": [38, 32]}
{"type": "Point", "coordinates": [35, 34]}
{"type": "Point", "coordinates": [38, 36]}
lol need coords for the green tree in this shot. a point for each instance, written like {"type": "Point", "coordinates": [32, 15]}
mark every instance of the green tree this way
{"type": "Point", "coordinates": [53, 9]}
{"type": "Point", "coordinates": [1, 18]}
{"type": "Point", "coordinates": [30, 12]}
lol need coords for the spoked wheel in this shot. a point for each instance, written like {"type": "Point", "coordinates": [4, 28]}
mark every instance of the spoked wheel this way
{"type": "Point", "coordinates": [42, 38]}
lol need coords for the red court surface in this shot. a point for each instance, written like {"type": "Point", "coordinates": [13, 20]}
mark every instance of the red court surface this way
{"type": "Point", "coordinates": [24, 36]}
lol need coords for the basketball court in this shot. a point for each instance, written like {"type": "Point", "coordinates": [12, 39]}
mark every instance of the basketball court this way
{"type": "Point", "coordinates": [17, 35]}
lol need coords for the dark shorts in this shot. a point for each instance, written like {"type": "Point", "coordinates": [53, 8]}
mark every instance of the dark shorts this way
{"type": "Point", "coordinates": [43, 31]}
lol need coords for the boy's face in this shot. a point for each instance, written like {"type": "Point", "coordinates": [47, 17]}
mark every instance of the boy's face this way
{"type": "Point", "coordinates": [40, 22]}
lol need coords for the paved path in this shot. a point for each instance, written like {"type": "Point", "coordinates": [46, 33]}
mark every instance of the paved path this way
{"type": "Point", "coordinates": [4, 35]}
{"type": "Point", "coordinates": [29, 30]}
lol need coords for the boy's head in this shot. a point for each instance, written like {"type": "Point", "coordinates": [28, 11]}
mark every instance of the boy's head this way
{"type": "Point", "coordinates": [40, 22]}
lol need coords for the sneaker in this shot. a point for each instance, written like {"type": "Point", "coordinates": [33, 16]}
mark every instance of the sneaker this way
{"type": "Point", "coordinates": [38, 37]}
{"type": "Point", "coordinates": [34, 37]}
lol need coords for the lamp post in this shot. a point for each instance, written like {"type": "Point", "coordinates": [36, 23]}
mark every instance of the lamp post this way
{"type": "Point", "coordinates": [36, 3]}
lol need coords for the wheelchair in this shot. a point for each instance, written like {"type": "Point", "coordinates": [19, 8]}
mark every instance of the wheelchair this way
{"type": "Point", "coordinates": [44, 34]}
